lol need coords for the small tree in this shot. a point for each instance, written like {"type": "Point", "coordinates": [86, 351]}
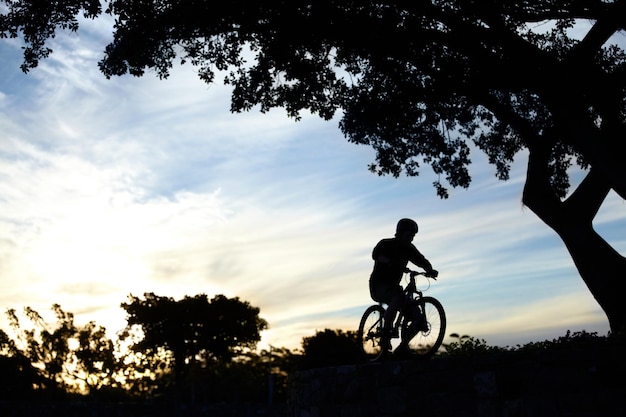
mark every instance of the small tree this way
{"type": "Point", "coordinates": [19, 377]}
{"type": "Point", "coordinates": [193, 329]}
{"type": "Point", "coordinates": [330, 348]}
{"type": "Point", "coordinates": [69, 358]}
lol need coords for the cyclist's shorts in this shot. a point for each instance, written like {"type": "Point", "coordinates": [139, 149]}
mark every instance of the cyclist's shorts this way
{"type": "Point", "coordinates": [384, 293]}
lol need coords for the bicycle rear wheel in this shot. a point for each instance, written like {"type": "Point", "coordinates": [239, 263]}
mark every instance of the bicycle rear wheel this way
{"type": "Point", "coordinates": [425, 338]}
{"type": "Point", "coordinates": [371, 331]}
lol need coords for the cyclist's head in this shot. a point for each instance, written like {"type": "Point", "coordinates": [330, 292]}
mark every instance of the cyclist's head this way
{"type": "Point", "coordinates": [406, 227]}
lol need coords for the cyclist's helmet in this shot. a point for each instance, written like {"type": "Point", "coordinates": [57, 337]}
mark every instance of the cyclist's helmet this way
{"type": "Point", "coordinates": [406, 225]}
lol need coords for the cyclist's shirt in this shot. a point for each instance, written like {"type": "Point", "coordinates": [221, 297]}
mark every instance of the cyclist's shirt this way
{"type": "Point", "coordinates": [399, 254]}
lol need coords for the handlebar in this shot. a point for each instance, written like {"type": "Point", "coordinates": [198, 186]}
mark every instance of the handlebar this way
{"type": "Point", "coordinates": [413, 274]}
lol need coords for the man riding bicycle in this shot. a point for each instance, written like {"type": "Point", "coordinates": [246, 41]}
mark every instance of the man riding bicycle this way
{"type": "Point", "coordinates": [391, 257]}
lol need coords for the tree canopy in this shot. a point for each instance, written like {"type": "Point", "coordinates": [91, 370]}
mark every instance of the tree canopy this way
{"type": "Point", "coordinates": [60, 357]}
{"type": "Point", "coordinates": [194, 328]}
{"type": "Point", "coordinates": [57, 360]}
{"type": "Point", "coordinates": [331, 348]}
{"type": "Point", "coordinates": [421, 82]}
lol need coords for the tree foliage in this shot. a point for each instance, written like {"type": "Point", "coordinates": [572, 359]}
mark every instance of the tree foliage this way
{"type": "Point", "coordinates": [62, 359]}
{"type": "Point", "coordinates": [413, 79]}
{"type": "Point", "coordinates": [193, 329]}
{"type": "Point", "coordinates": [331, 348]}
{"type": "Point", "coordinates": [64, 356]}
{"type": "Point", "coordinates": [468, 346]}
{"type": "Point", "coordinates": [254, 377]}
{"type": "Point", "coordinates": [19, 376]}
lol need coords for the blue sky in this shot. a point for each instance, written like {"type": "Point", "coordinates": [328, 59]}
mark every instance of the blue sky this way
{"type": "Point", "coordinates": [133, 185]}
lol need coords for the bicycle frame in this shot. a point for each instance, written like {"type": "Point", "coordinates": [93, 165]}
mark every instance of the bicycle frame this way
{"type": "Point", "coordinates": [412, 298]}
{"type": "Point", "coordinates": [421, 333]}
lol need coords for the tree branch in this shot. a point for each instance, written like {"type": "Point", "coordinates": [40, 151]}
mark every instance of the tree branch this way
{"type": "Point", "coordinates": [589, 195]}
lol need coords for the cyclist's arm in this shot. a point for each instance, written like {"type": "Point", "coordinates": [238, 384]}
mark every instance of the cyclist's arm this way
{"type": "Point", "coordinates": [420, 260]}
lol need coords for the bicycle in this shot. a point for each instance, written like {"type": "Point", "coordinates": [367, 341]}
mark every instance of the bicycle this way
{"type": "Point", "coordinates": [423, 338]}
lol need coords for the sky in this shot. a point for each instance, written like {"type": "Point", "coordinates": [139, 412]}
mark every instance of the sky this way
{"type": "Point", "coordinates": [134, 185]}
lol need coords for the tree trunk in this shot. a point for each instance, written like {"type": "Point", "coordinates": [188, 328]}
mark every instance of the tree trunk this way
{"type": "Point", "coordinates": [600, 266]}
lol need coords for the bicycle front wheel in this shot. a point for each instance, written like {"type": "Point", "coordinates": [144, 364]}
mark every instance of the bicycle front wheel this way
{"type": "Point", "coordinates": [425, 337]}
{"type": "Point", "coordinates": [371, 331]}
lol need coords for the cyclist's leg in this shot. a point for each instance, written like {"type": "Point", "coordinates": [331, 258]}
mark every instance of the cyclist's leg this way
{"type": "Point", "coordinates": [430, 331]}
{"type": "Point", "coordinates": [417, 317]}
{"type": "Point", "coordinates": [383, 293]}
{"type": "Point", "coordinates": [395, 301]}
{"type": "Point", "coordinates": [392, 311]}
{"type": "Point", "coordinates": [411, 311]}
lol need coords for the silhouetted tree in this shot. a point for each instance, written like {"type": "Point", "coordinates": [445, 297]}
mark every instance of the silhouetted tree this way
{"type": "Point", "coordinates": [18, 377]}
{"type": "Point", "coordinates": [330, 348]}
{"type": "Point", "coordinates": [278, 363]}
{"type": "Point", "coordinates": [418, 81]}
{"type": "Point", "coordinates": [193, 329]}
{"type": "Point", "coordinates": [254, 377]}
{"type": "Point", "coordinates": [69, 358]}
{"type": "Point", "coordinates": [146, 375]}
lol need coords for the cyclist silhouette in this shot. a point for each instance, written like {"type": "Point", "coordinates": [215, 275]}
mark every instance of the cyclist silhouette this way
{"type": "Point", "coordinates": [391, 257]}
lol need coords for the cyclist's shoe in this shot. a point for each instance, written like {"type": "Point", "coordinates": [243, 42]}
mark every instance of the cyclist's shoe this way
{"type": "Point", "coordinates": [403, 352]}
